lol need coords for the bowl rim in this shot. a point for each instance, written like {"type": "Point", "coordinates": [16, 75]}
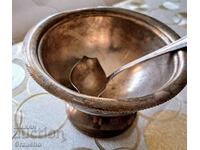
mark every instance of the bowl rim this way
{"type": "Point", "coordinates": [100, 105]}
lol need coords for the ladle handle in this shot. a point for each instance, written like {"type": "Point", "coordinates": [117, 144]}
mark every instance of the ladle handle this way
{"type": "Point", "coordinates": [176, 45]}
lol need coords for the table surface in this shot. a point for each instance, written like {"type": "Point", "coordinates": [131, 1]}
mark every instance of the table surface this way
{"type": "Point", "coordinates": [40, 121]}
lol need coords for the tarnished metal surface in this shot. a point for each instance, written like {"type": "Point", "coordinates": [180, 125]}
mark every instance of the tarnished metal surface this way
{"type": "Point", "coordinates": [68, 36]}
{"type": "Point", "coordinates": [115, 36]}
{"type": "Point", "coordinates": [88, 77]}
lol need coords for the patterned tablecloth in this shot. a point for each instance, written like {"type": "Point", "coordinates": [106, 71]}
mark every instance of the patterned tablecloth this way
{"type": "Point", "coordinates": [40, 121]}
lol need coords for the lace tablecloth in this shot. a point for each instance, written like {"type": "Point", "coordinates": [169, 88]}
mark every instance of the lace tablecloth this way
{"type": "Point", "coordinates": [40, 121]}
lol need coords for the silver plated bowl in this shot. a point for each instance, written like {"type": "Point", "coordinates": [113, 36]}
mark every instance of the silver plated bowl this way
{"type": "Point", "coordinates": [114, 36]}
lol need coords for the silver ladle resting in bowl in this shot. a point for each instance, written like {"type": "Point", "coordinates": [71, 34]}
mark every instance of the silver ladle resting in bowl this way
{"type": "Point", "coordinates": [88, 77]}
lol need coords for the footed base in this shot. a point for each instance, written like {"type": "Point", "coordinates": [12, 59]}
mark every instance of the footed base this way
{"type": "Point", "coordinates": [97, 126]}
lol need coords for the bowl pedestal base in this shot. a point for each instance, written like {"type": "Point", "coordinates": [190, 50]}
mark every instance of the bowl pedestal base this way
{"type": "Point", "coordinates": [98, 126]}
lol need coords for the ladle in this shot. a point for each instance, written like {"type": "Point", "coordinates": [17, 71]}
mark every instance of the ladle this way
{"type": "Point", "coordinates": [88, 77]}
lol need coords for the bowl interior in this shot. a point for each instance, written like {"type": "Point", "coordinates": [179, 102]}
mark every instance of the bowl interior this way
{"type": "Point", "coordinates": [114, 41]}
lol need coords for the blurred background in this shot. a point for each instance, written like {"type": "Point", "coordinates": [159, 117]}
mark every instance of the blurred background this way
{"type": "Point", "coordinates": [26, 13]}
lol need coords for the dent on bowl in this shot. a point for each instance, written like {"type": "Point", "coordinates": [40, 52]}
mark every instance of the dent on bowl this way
{"type": "Point", "coordinates": [115, 37]}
